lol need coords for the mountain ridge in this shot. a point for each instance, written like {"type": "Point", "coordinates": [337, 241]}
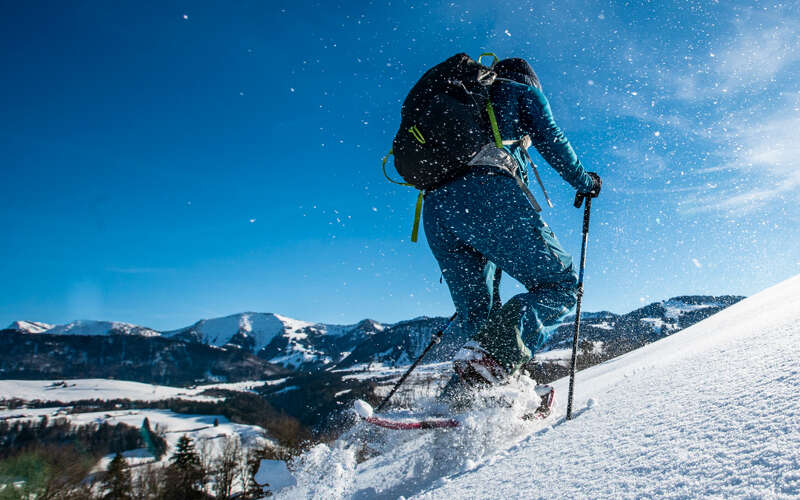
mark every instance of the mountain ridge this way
{"type": "Point", "coordinates": [307, 346]}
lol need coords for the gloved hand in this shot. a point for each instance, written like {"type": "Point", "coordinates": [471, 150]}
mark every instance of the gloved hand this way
{"type": "Point", "coordinates": [598, 183]}
{"type": "Point", "coordinates": [592, 193]}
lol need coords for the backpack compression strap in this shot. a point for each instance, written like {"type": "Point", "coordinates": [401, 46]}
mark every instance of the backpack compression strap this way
{"type": "Point", "coordinates": [498, 141]}
{"type": "Point", "coordinates": [418, 209]}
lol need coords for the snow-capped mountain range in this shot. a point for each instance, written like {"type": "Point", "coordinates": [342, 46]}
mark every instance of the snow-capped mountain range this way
{"type": "Point", "coordinates": [280, 340]}
{"type": "Point", "coordinates": [306, 346]}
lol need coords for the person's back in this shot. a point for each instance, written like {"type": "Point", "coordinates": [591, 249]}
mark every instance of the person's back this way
{"type": "Point", "coordinates": [483, 220]}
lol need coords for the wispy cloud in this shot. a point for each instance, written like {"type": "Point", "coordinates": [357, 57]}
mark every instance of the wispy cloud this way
{"type": "Point", "coordinates": [747, 91]}
{"type": "Point", "coordinates": [758, 55]}
{"type": "Point", "coordinates": [760, 158]}
{"type": "Point", "coordinates": [761, 47]}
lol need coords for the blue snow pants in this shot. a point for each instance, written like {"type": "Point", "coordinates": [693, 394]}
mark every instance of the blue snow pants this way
{"type": "Point", "coordinates": [483, 220]}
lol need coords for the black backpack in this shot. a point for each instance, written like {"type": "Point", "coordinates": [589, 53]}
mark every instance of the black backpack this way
{"type": "Point", "coordinates": [444, 122]}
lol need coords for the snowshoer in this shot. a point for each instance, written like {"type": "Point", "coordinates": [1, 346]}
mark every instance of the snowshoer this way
{"type": "Point", "coordinates": [487, 218]}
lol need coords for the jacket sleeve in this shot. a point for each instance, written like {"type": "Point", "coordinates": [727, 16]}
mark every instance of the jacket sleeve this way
{"type": "Point", "coordinates": [537, 121]}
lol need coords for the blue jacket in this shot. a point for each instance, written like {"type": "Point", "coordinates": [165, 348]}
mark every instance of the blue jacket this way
{"type": "Point", "coordinates": [523, 110]}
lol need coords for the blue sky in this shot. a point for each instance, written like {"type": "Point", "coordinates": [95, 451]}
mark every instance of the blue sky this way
{"type": "Point", "coordinates": [171, 161]}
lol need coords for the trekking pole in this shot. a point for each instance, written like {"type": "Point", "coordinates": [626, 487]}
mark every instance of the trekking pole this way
{"type": "Point", "coordinates": [435, 339]}
{"type": "Point", "coordinates": [579, 198]}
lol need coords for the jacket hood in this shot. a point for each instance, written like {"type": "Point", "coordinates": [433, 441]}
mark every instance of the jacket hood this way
{"type": "Point", "coordinates": [518, 70]}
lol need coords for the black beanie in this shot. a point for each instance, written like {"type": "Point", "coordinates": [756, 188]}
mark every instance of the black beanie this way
{"type": "Point", "coordinates": [518, 70]}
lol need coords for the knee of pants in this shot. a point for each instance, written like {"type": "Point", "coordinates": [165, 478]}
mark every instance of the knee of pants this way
{"type": "Point", "coordinates": [568, 289]}
{"type": "Point", "coordinates": [568, 292]}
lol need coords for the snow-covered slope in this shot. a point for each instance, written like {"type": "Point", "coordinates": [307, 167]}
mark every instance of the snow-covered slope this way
{"type": "Point", "coordinates": [285, 341]}
{"type": "Point", "coordinates": [88, 327]}
{"type": "Point", "coordinates": [711, 411]}
{"type": "Point", "coordinates": [83, 327]}
{"type": "Point", "coordinates": [258, 328]}
{"type": "Point", "coordinates": [202, 429]}
{"type": "Point", "coordinates": [67, 391]}
{"type": "Point", "coordinates": [30, 326]}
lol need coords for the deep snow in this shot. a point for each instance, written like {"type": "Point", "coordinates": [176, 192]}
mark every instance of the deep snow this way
{"type": "Point", "coordinates": [711, 411]}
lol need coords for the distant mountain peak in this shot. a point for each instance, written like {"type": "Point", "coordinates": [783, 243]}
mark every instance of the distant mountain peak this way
{"type": "Point", "coordinates": [92, 327]}
{"type": "Point", "coordinates": [29, 326]}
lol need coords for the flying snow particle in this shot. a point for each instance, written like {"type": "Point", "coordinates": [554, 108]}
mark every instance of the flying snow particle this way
{"type": "Point", "coordinates": [507, 33]}
{"type": "Point", "coordinates": [697, 263]}
{"type": "Point", "coordinates": [656, 133]}
{"type": "Point", "coordinates": [590, 82]}
{"type": "Point", "coordinates": [362, 408]}
{"type": "Point", "coordinates": [601, 16]}
{"type": "Point", "coordinates": [186, 16]}
{"type": "Point", "coordinates": [291, 89]}
{"type": "Point", "coordinates": [252, 221]}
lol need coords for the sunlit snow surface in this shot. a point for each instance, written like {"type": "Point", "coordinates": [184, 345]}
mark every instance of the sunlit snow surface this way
{"type": "Point", "coordinates": [709, 411]}
{"type": "Point", "coordinates": [90, 327]}
{"type": "Point", "coordinates": [67, 391]}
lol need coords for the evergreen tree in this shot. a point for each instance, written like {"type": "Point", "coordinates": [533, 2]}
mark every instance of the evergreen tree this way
{"type": "Point", "coordinates": [155, 445]}
{"type": "Point", "coordinates": [185, 475]}
{"type": "Point", "coordinates": [118, 483]}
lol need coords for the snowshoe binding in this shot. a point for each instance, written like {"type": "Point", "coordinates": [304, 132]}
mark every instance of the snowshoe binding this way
{"type": "Point", "coordinates": [476, 368]}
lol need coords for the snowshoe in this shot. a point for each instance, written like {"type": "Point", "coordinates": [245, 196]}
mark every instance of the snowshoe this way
{"type": "Point", "coordinates": [417, 421]}
{"type": "Point", "coordinates": [476, 368]}
{"type": "Point", "coordinates": [548, 399]}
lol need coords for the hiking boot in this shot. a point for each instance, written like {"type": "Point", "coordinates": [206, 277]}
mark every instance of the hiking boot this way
{"type": "Point", "coordinates": [475, 367]}
{"type": "Point", "coordinates": [548, 396]}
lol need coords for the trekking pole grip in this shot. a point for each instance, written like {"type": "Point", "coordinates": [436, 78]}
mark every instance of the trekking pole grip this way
{"type": "Point", "coordinates": [579, 200]}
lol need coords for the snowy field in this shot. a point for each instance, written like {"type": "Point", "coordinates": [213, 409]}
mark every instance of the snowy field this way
{"type": "Point", "coordinates": [68, 391]}
{"type": "Point", "coordinates": [200, 428]}
{"type": "Point", "coordinates": [711, 411]}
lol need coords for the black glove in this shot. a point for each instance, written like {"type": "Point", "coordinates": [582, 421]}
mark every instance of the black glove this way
{"type": "Point", "coordinates": [592, 193]}
{"type": "Point", "coordinates": [598, 183]}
